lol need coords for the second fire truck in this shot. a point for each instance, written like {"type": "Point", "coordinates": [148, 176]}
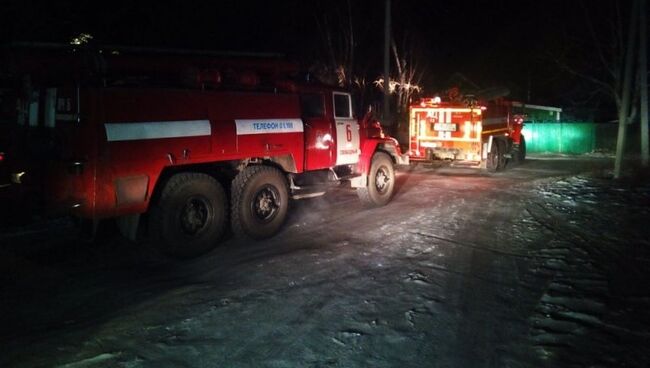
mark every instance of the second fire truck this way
{"type": "Point", "coordinates": [466, 133]}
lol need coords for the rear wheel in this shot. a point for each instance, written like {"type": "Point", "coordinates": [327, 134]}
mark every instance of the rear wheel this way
{"type": "Point", "coordinates": [381, 182]}
{"type": "Point", "coordinates": [429, 155]}
{"type": "Point", "coordinates": [519, 155]}
{"type": "Point", "coordinates": [501, 154]}
{"type": "Point", "coordinates": [190, 216]}
{"type": "Point", "coordinates": [260, 200]}
{"type": "Point", "coordinates": [496, 159]}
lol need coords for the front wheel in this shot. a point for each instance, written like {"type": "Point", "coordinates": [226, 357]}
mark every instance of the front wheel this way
{"type": "Point", "coordinates": [260, 200]}
{"type": "Point", "coordinates": [190, 216]}
{"type": "Point", "coordinates": [381, 182]}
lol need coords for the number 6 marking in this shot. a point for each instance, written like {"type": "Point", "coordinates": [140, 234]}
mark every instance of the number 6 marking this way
{"type": "Point", "coordinates": [348, 132]}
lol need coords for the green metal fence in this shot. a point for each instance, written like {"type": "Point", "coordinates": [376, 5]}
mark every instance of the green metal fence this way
{"type": "Point", "coordinates": [569, 137]}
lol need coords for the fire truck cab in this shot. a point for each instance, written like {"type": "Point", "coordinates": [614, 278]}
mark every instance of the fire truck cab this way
{"type": "Point", "coordinates": [466, 133]}
{"type": "Point", "coordinates": [180, 143]}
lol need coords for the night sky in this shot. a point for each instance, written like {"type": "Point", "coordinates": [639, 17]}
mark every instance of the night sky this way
{"type": "Point", "coordinates": [492, 43]}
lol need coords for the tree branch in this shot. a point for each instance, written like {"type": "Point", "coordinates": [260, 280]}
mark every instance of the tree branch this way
{"type": "Point", "coordinates": [599, 50]}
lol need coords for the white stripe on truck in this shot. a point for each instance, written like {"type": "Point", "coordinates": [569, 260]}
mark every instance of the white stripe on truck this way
{"type": "Point", "coordinates": [116, 132]}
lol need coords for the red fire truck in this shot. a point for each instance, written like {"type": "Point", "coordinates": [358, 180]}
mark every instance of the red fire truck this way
{"type": "Point", "coordinates": [466, 133]}
{"type": "Point", "coordinates": [184, 142]}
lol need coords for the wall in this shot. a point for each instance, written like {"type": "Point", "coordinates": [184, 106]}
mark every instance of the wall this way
{"type": "Point", "coordinates": [569, 137]}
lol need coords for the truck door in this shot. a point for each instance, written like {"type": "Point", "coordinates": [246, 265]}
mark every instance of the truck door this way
{"type": "Point", "coordinates": [48, 153]}
{"type": "Point", "coordinates": [319, 142]}
{"type": "Point", "coordinates": [70, 155]}
{"type": "Point", "coordinates": [347, 130]}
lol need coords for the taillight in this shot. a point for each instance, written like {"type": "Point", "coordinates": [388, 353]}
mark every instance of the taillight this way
{"type": "Point", "coordinates": [2, 156]}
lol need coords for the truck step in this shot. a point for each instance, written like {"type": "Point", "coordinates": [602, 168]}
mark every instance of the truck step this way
{"type": "Point", "coordinates": [310, 191]}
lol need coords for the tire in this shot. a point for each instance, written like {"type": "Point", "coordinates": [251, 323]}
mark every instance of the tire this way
{"type": "Point", "coordinates": [429, 155]}
{"type": "Point", "coordinates": [519, 154]}
{"type": "Point", "coordinates": [381, 182]}
{"type": "Point", "coordinates": [260, 201]}
{"type": "Point", "coordinates": [190, 217]}
{"type": "Point", "coordinates": [496, 160]}
{"type": "Point", "coordinates": [501, 154]}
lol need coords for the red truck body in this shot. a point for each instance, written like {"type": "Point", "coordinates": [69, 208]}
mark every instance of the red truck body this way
{"type": "Point", "coordinates": [124, 132]}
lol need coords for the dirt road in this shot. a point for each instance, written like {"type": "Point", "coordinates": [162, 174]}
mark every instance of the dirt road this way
{"type": "Point", "coordinates": [542, 265]}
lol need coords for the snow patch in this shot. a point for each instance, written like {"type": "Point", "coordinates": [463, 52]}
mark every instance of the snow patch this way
{"type": "Point", "coordinates": [96, 361]}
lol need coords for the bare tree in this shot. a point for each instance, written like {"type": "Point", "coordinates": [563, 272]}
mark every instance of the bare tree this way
{"type": "Point", "coordinates": [599, 55]}
{"type": "Point", "coordinates": [609, 45]}
{"type": "Point", "coordinates": [337, 34]}
{"type": "Point", "coordinates": [344, 41]}
{"type": "Point", "coordinates": [408, 72]}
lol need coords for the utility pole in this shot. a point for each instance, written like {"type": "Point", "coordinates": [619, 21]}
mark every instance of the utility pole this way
{"type": "Point", "coordinates": [643, 81]}
{"type": "Point", "coordinates": [387, 63]}
{"type": "Point", "coordinates": [625, 99]}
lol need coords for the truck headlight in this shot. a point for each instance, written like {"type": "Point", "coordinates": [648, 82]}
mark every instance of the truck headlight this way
{"type": "Point", "coordinates": [17, 178]}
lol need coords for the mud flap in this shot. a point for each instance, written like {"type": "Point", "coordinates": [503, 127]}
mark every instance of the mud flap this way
{"type": "Point", "coordinates": [128, 226]}
{"type": "Point", "coordinates": [402, 159]}
{"type": "Point", "coordinates": [360, 181]}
